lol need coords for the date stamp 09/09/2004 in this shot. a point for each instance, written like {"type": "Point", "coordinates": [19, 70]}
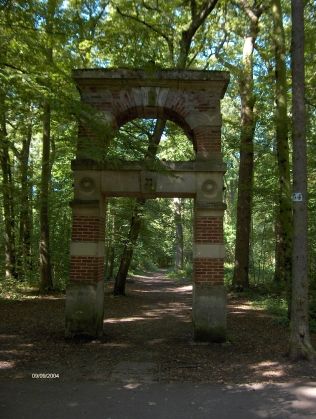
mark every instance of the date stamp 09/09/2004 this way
{"type": "Point", "coordinates": [45, 375]}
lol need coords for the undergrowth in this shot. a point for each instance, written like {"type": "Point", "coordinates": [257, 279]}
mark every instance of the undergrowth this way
{"type": "Point", "coordinates": [277, 306]}
{"type": "Point", "coordinates": [11, 289]}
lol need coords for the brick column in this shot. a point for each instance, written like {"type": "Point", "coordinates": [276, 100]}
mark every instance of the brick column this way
{"type": "Point", "coordinates": [87, 246]}
{"type": "Point", "coordinates": [85, 293]}
{"type": "Point", "coordinates": [208, 247]}
{"type": "Point", "coordinates": [209, 296]}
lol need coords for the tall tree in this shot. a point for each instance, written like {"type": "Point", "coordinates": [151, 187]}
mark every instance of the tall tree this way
{"type": "Point", "coordinates": [283, 251]}
{"type": "Point", "coordinates": [25, 227]}
{"type": "Point", "coordinates": [179, 255]}
{"type": "Point", "coordinates": [246, 163]}
{"type": "Point", "coordinates": [300, 344]}
{"type": "Point", "coordinates": [7, 193]}
{"type": "Point", "coordinates": [46, 279]}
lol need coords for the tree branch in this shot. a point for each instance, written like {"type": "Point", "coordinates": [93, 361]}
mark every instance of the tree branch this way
{"type": "Point", "coordinates": [13, 67]}
{"type": "Point", "coordinates": [187, 35]}
{"type": "Point", "coordinates": [150, 8]}
{"type": "Point", "coordinates": [253, 12]}
{"type": "Point", "coordinates": [193, 8]}
{"type": "Point", "coordinates": [152, 28]}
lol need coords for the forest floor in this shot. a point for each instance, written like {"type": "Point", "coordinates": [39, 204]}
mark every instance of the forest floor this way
{"type": "Point", "coordinates": [147, 339]}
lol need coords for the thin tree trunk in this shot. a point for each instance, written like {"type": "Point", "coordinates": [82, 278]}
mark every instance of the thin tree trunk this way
{"type": "Point", "coordinates": [300, 344]}
{"type": "Point", "coordinates": [46, 276]}
{"type": "Point", "coordinates": [179, 234]}
{"type": "Point", "coordinates": [246, 164]}
{"type": "Point", "coordinates": [110, 263]}
{"type": "Point", "coordinates": [46, 283]}
{"type": "Point", "coordinates": [25, 211]}
{"type": "Point", "coordinates": [110, 253]}
{"type": "Point", "coordinates": [283, 251]}
{"type": "Point", "coordinates": [7, 193]}
{"type": "Point", "coordinates": [135, 226]}
{"type": "Point", "coordinates": [126, 258]}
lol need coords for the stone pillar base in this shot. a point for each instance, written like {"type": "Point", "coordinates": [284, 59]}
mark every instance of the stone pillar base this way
{"type": "Point", "coordinates": [84, 309]}
{"type": "Point", "coordinates": [209, 313]}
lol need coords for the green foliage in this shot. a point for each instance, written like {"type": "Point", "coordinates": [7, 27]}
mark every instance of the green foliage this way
{"type": "Point", "coordinates": [145, 35]}
{"type": "Point", "coordinates": [182, 275]}
{"type": "Point", "coordinates": [275, 305]}
{"type": "Point", "coordinates": [14, 290]}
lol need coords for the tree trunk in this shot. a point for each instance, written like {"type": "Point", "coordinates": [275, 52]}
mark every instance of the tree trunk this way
{"type": "Point", "coordinates": [246, 164]}
{"type": "Point", "coordinates": [46, 283]}
{"type": "Point", "coordinates": [25, 211]}
{"type": "Point", "coordinates": [7, 193]}
{"type": "Point", "coordinates": [109, 251]}
{"type": "Point", "coordinates": [46, 276]}
{"type": "Point", "coordinates": [126, 258]}
{"type": "Point", "coordinates": [283, 251]}
{"type": "Point", "coordinates": [300, 344]}
{"type": "Point", "coordinates": [179, 233]}
{"type": "Point", "coordinates": [110, 262]}
{"type": "Point", "coordinates": [135, 226]}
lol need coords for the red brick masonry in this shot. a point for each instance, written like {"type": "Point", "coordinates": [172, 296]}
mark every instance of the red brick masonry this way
{"type": "Point", "coordinates": [86, 268]}
{"type": "Point", "coordinates": [208, 230]}
{"type": "Point", "coordinates": [87, 228]}
{"type": "Point", "coordinates": [209, 270]}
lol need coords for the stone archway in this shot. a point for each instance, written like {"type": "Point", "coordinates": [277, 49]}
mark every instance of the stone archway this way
{"type": "Point", "coordinates": [191, 98]}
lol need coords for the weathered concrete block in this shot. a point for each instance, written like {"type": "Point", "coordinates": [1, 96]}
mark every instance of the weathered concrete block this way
{"type": "Point", "coordinates": [209, 313]}
{"type": "Point", "coordinates": [84, 309]}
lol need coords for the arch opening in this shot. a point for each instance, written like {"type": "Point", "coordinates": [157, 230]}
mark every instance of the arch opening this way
{"type": "Point", "coordinates": [142, 138]}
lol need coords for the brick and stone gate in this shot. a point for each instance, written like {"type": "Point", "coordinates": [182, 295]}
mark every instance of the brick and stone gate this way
{"type": "Point", "coordinates": [190, 98]}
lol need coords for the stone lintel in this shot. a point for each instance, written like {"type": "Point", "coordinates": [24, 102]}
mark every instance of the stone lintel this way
{"type": "Point", "coordinates": [211, 251]}
{"type": "Point", "coordinates": [210, 165]}
{"type": "Point", "coordinates": [206, 186]}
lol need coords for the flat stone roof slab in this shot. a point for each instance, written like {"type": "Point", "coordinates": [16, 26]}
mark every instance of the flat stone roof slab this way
{"type": "Point", "coordinates": [181, 79]}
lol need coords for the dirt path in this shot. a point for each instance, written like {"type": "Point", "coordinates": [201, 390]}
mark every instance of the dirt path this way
{"type": "Point", "coordinates": [148, 338]}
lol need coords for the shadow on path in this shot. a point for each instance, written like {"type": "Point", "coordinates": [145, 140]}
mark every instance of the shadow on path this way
{"type": "Point", "coordinates": [147, 339]}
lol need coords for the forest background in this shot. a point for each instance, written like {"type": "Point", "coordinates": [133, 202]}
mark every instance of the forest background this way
{"type": "Point", "coordinates": [42, 41]}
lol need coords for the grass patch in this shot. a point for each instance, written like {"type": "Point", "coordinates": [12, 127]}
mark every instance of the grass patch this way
{"type": "Point", "coordinates": [275, 305]}
{"type": "Point", "coordinates": [180, 274]}
{"type": "Point", "coordinates": [278, 307]}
